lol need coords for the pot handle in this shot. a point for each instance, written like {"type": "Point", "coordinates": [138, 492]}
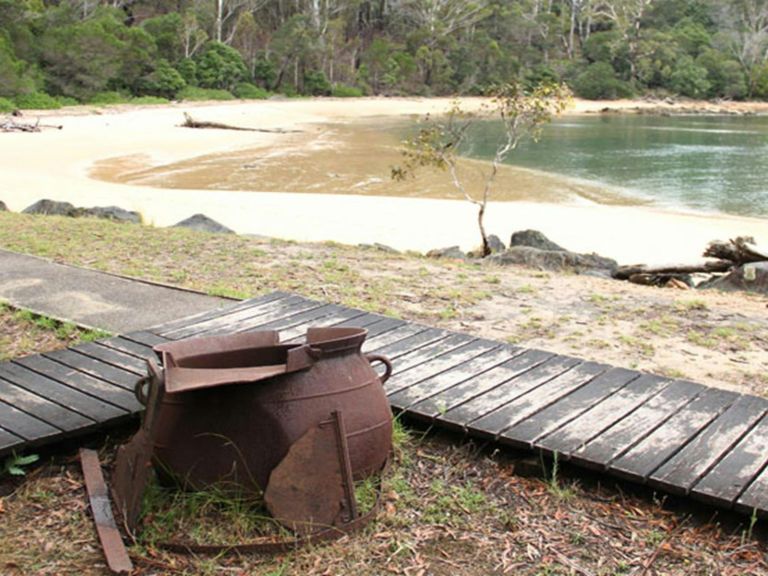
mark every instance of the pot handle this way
{"type": "Point", "coordinates": [384, 360]}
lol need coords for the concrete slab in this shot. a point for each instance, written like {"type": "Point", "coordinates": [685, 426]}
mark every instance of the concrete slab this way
{"type": "Point", "coordinates": [94, 298]}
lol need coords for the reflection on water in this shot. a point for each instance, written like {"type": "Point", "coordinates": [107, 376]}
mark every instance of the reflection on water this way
{"type": "Point", "coordinates": [715, 163]}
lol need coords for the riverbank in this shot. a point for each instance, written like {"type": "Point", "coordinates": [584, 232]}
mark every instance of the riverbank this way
{"type": "Point", "coordinates": [60, 165]}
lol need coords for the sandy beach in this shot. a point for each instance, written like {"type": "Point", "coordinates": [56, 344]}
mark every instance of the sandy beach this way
{"type": "Point", "coordinates": [62, 165]}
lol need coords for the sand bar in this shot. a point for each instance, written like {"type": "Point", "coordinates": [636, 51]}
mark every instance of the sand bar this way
{"type": "Point", "coordinates": [56, 164]}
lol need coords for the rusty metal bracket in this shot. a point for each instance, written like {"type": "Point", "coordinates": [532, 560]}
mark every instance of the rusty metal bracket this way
{"type": "Point", "coordinates": [111, 541]}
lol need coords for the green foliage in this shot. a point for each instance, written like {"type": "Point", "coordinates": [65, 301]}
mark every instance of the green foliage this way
{"type": "Point", "coordinates": [80, 49]}
{"type": "Point", "coordinates": [220, 67]}
{"type": "Point", "coordinates": [14, 465]}
{"type": "Point", "coordinates": [690, 79]}
{"type": "Point", "coordinates": [599, 82]}
{"type": "Point", "coordinates": [316, 84]}
{"type": "Point", "coordinates": [344, 91]}
{"type": "Point", "coordinates": [108, 98]}
{"type": "Point", "coordinates": [188, 71]}
{"type": "Point", "coordinates": [164, 81]}
{"type": "Point", "coordinates": [248, 91]}
{"type": "Point", "coordinates": [6, 105]}
{"type": "Point", "coordinates": [37, 101]}
{"type": "Point", "coordinates": [193, 93]}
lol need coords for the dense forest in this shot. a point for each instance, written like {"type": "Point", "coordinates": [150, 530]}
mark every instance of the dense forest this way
{"type": "Point", "coordinates": [62, 52]}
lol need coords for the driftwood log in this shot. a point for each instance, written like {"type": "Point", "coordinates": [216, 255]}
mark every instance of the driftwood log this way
{"type": "Point", "coordinates": [627, 272]}
{"type": "Point", "coordinates": [741, 250]}
{"type": "Point", "coordinates": [11, 125]}
{"type": "Point", "coordinates": [190, 122]}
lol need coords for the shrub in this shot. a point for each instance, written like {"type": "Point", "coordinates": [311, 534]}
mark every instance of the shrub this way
{"type": "Point", "coordinates": [67, 101]}
{"type": "Point", "coordinates": [344, 91]}
{"type": "Point", "coordinates": [194, 93]}
{"type": "Point", "coordinates": [599, 82]}
{"type": "Point", "coordinates": [37, 101]}
{"type": "Point", "coordinates": [248, 91]}
{"type": "Point", "coordinates": [220, 66]}
{"type": "Point", "coordinates": [6, 105]}
{"type": "Point", "coordinates": [108, 98]}
{"type": "Point", "coordinates": [188, 70]}
{"type": "Point", "coordinates": [316, 84]}
{"type": "Point", "coordinates": [164, 81]}
{"type": "Point", "coordinates": [149, 100]}
{"type": "Point", "coordinates": [689, 79]}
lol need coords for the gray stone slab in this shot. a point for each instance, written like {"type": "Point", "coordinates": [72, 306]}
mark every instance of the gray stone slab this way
{"type": "Point", "coordinates": [94, 298]}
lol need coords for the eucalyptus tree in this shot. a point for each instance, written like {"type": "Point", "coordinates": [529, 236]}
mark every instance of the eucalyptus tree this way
{"type": "Point", "coordinates": [744, 34]}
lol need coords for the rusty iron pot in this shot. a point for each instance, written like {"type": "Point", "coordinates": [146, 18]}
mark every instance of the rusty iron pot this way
{"type": "Point", "coordinates": [234, 405]}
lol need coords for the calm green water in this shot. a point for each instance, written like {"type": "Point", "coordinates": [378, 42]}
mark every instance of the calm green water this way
{"type": "Point", "coordinates": [713, 163]}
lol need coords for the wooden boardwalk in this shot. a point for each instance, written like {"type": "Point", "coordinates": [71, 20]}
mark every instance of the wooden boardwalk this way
{"type": "Point", "coordinates": [674, 435]}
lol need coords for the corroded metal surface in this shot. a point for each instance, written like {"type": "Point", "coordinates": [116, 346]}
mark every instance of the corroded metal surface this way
{"type": "Point", "coordinates": [264, 397]}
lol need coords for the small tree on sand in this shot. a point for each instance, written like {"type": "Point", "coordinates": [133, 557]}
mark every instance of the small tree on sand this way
{"type": "Point", "coordinates": [522, 113]}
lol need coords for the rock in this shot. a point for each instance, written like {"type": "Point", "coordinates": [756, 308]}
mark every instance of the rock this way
{"type": "Point", "coordinates": [495, 244]}
{"type": "Point", "coordinates": [112, 213]}
{"type": "Point", "coordinates": [379, 247]}
{"type": "Point", "coordinates": [534, 239]}
{"type": "Point", "coordinates": [52, 207]}
{"type": "Point", "coordinates": [3, 207]}
{"type": "Point", "coordinates": [751, 277]}
{"type": "Point", "coordinates": [202, 223]}
{"type": "Point", "coordinates": [555, 260]}
{"type": "Point", "coordinates": [450, 252]}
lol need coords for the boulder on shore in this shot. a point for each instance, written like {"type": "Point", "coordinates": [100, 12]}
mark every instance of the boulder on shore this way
{"type": "Point", "coordinates": [112, 213]}
{"type": "Point", "coordinates": [751, 277]}
{"type": "Point", "coordinates": [534, 239]}
{"type": "Point", "coordinates": [203, 223]}
{"type": "Point", "coordinates": [555, 260]}
{"type": "Point", "coordinates": [52, 208]}
{"type": "Point", "coordinates": [449, 252]}
{"type": "Point", "coordinates": [3, 207]}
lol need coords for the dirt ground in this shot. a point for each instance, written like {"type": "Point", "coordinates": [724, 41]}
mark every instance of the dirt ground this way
{"type": "Point", "coordinates": [449, 506]}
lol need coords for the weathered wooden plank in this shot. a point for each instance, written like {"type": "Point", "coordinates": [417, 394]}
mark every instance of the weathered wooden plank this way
{"type": "Point", "coordinates": [681, 472]}
{"type": "Point", "coordinates": [378, 326]}
{"type": "Point", "coordinates": [246, 318]}
{"type": "Point", "coordinates": [87, 402]}
{"type": "Point", "coordinates": [328, 316]}
{"type": "Point", "coordinates": [115, 395]}
{"type": "Point", "coordinates": [640, 461]}
{"type": "Point", "coordinates": [41, 408]}
{"type": "Point", "coordinates": [406, 334]}
{"type": "Point", "coordinates": [190, 321]}
{"type": "Point", "coordinates": [96, 368]}
{"type": "Point", "coordinates": [571, 436]}
{"type": "Point", "coordinates": [525, 406]}
{"type": "Point", "coordinates": [145, 338]}
{"type": "Point", "coordinates": [755, 498]}
{"type": "Point", "coordinates": [23, 425]}
{"type": "Point", "coordinates": [601, 451]}
{"type": "Point", "coordinates": [111, 356]}
{"type": "Point", "coordinates": [369, 319]}
{"type": "Point", "coordinates": [527, 432]}
{"type": "Point", "coordinates": [459, 404]}
{"type": "Point", "coordinates": [513, 390]}
{"type": "Point", "coordinates": [405, 359]}
{"type": "Point", "coordinates": [431, 364]}
{"type": "Point", "coordinates": [140, 351]}
{"type": "Point", "coordinates": [415, 398]}
{"type": "Point", "coordinates": [736, 471]}
{"type": "Point", "coordinates": [306, 316]}
{"type": "Point", "coordinates": [8, 442]}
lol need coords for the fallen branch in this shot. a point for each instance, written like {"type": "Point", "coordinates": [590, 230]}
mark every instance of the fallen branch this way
{"type": "Point", "coordinates": [11, 125]}
{"type": "Point", "coordinates": [626, 272]}
{"type": "Point", "coordinates": [741, 250]}
{"type": "Point", "coordinates": [190, 122]}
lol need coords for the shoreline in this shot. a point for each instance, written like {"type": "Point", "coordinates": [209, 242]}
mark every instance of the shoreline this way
{"type": "Point", "coordinates": [629, 234]}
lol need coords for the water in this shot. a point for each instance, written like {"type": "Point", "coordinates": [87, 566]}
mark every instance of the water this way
{"type": "Point", "coordinates": [713, 164]}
